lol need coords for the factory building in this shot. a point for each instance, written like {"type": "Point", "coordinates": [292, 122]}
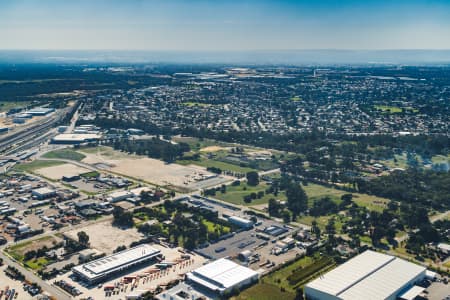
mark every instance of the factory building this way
{"type": "Point", "coordinates": [241, 222]}
{"type": "Point", "coordinates": [67, 138]}
{"type": "Point", "coordinates": [222, 276]}
{"type": "Point", "coordinates": [101, 269]}
{"type": "Point", "coordinates": [40, 111]}
{"type": "Point", "coordinates": [370, 275]}
{"type": "Point", "coordinates": [43, 193]}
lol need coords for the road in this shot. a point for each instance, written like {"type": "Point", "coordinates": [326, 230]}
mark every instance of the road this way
{"type": "Point", "coordinates": [52, 290]}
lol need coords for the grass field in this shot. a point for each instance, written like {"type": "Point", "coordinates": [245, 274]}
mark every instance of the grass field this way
{"type": "Point", "coordinates": [65, 154]}
{"type": "Point", "coordinates": [37, 263]}
{"type": "Point", "coordinates": [7, 105]}
{"type": "Point", "coordinates": [263, 291]}
{"type": "Point", "coordinates": [204, 162]}
{"type": "Point", "coordinates": [36, 164]}
{"type": "Point", "coordinates": [297, 273]}
{"type": "Point", "coordinates": [315, 191]}
{"type": "Point", "coordinates": [190, 104]}
{"type": "Point", "coordinates": [235, 194]}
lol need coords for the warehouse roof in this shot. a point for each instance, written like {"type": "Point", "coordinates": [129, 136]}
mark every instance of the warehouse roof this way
{"type": "Point", "coordinates": [221, 274]}
{"type": "Point", "coordinates": [69, 137]}
{"type": "Point", "coordinates": [370, 275]}
{"type": "Point", "coordinates": [117, 261]}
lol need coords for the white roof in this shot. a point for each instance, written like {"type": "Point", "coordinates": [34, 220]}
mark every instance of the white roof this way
{"type": "Point", "coordinates": [370, 275]}
{"type": "Point", "coordinates": [43, 191]}
{"type": "Point", "coordinates": [221, 274]}
{"type": "Point", "coordinates": [412, 293]}
{"type": "Point", "coordinates": [76, 137]}
{"type": "Point", "coordinates": [114, 262]}
{"type": "Point", "coordinates": [444, 246]}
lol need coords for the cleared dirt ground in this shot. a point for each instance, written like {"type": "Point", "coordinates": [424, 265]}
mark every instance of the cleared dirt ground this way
{"type": "Point", "coordinates": [147, 169]}
{"type": "Point", "coordinates": [105, 237]}
{"type": "Point", "coordinates": [57, 172]}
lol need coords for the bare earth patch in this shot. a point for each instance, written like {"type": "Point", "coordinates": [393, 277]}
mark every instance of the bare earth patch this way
{"type": "Point", "coordinates": [154, 171]}
{"type": "Point", "coordinates": [105, 237]}
{"type": "Point", "coordinates": [57, 172]}
{"type": "Point", "coordinates": [213, 149]}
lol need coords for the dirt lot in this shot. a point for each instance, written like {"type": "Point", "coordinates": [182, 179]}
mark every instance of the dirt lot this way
{"type": "Point", "coordinates": [148, 169]}
{"type": "Point", "coordinates": [105, 237]}
{"type": "Point", "coordinates": [213, 149]}
{"type": "Point", "coordinates": [57, 172]}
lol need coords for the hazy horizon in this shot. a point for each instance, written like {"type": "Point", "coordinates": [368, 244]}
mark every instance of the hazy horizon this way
{"type": "Point", "coordinates": [254, 57]}
{"type": "Point", "coordinates": [246, 25]}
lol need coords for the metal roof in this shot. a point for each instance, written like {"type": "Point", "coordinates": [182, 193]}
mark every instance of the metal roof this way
{"type": "Point", "coordinates": [114, 262]}
{"type": "Point", "coordinates": [221, 274]}
{"type": "Point", "coordinates": [412, 293]}
{"type": "Point", "coordinates": [370, 275]}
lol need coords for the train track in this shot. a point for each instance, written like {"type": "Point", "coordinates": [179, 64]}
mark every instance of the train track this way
{"type": "Point", "coordinates": [8, 143]}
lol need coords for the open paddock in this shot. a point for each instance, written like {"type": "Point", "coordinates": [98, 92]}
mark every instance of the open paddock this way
{"type": "Point", "coordinates": [57, 172]}
{"type": "Point", "coordinates": [153, 171]}
{"type": "Point", "coordinates": [105, 237]}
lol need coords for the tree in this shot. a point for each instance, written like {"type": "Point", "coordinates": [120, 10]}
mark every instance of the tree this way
{"type": "Point", "coordinates": [83, 238]}
{"type": "Point", "coordinates": [297, 201]}
{"type": "Point", "coordinates": [252, 178]}
{"type": "Point", "coordinates": [286, 216]}
{"type": "Point", "coordinates": [122, 217]}
{"type": "Point", "coordinates": [274, 208]}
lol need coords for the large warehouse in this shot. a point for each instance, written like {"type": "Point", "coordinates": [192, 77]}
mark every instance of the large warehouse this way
{"type": "Point", "coordinates": [99, 269]}
{"type": "Point", "coordinates": [222, 276]}
{"type": "Point", "coordinates": [370, 275]}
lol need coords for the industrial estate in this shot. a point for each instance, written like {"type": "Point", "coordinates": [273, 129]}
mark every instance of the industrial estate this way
{"type": "Point", "coordinates": [213, 182]}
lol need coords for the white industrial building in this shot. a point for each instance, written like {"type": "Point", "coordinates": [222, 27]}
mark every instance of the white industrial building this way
{"type": "Point", "coordinates": [68, 138]}
{"type": "Point", "coordinates": [119, 196]}
{"type": "Point", "coordinates": [222, 276]}
{"type": "Point", "coordinates": [370, 275]}
{"type": "Point", "coordinates": [98, 270]}
{"type": "Point", "coordinates": [241, 222]}
{"type": "Point", "coordinates": [43, 193]}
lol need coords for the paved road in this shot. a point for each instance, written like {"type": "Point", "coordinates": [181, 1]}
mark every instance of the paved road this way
{"type": "Point", "coordinates": [52, 290]}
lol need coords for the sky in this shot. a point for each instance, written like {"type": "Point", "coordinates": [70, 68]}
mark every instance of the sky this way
{"type": "Point", "coordinates": [219, 25]}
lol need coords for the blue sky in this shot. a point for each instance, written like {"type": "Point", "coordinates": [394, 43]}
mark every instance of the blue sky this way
{"type": "Point", "coordinates": [191, 25]}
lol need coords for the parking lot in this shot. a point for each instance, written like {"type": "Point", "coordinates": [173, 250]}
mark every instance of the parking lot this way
{"type": "Point", "coordinates": [259, 240]}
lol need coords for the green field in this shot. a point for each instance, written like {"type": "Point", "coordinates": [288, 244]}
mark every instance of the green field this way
{"type": "Point", "coordinates": [7, 105]}
{"type": "Point", "coordinates": [204, 162]}
{"type": "Point", "coordinates": [235, 194]}
{"type": "Point", "coordinates": [296, 98]}
{"type": "Point", "coordinates": [394, 109]}
{"type": "Point", "coordinates": [263, 291]}
{"type": "Point", "coordinates": [65, 154]}
{"type": "Point", "coordinates": [37, 263]}
{"type": "Point", "coordinates": [190, 104]}
{"type": "Point", "coordinates": [315, 191]}
{"type": "Point", "coordinates": [36, 164]}
{"type": "Point", "coordinates": [288, 278]}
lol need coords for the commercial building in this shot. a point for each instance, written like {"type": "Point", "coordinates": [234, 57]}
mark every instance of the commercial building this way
{"type": "Point", "coordinates": [222, 276]}
{"type": "Point", "coordinates": [241, 222]}
{"type": "Point", "coordinates": [66, 138]}
{"type": "Point", "coordinates": [370, 275]}
{"type": "Point", "coordinates": [43, 193]}
{"type": "Point", "coordinates": [40, 111]}
{"type": "Point", "coordinates": [100, 269]}
{"type": "Point", "coordinates": [119, 196]}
